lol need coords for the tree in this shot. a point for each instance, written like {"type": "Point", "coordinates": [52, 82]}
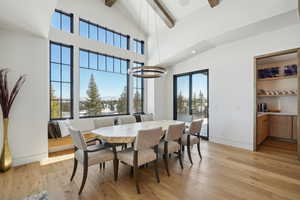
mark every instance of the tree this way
{"type": "Point", "coordinates": [137, 102]}
{"type": "Point", "coordinates": [93, 104]}
{"type": "Point", "coordinates": [122, 102]}
{"type": "Point", "coordinates": [180, 103]}
{"type": "Point", "coordinates": [55, 106]}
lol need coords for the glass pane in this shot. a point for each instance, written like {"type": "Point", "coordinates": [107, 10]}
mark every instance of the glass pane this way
{"type": "Point", "coordinates": [55, 20]}
{"type": "Point", "coordinates": [83, 29]}
{"type": "Point", "coordinates": [66, 91]}
{"type": "Point", "coordinates": [101, 62]}
{"type": "Point", "coordinates": [182, 99]}
{"type": "Point", "coordinates": [199, 99]}
{"type": "Point", "coordinates": [66, 73]}
{"type": "Point", "coordinates": [93, 60]}
{"type": "Point", "coordinates": [137, 101]}
{"type": "Point", "coordinates": [110, 38]}
{"type": "Point", "coordinates": [93, 32]}
{"type": "Point", "coordinates": [66, 23]}
{"type": "Point", "coordinates": [124, 65]}
{"type": "Point", "coordinates": [55, 53]}
{"type": "Point", "coordinates": [117, 40]}
{"type": "Point", "coordinates": [66, 55]}
{"type": "Point", "coordinates": [133, 45]}
{"type": "Point", "coordinates": [110, 64]}
{"type": "Point", "coordinates": [117, 65]}
{"type": "Point", "coordinates": [55, 72]}
{"type": "Point", "coordinates": [139, 47]}
{"type": "Point", "coordinates": [55, 90]}
{"type": "Point", "coordinates": [55, 109]}
{"type": "Point", "coordinates": [101, 34]}
{"type": "Point", "coordinates": [66, 109]}
{"type": "Point", "coordinates": [123, 42]}
{"type": "Point", "coordinates": [84, 58]}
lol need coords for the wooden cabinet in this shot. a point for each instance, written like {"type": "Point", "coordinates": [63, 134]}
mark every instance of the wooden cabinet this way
{"type": "Point", "coordinates": [262, 129]}
{"type": "Point", "coordinates": [295, 128]}
{"type": "Point", "coordinates": [281, 126]}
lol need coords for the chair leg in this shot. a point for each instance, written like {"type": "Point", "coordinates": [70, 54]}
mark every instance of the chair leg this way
{"type": "Point", "coordinates": [74, 169]}
{"type": "Point", "coordinates": [183, 148]}
{"type": "Point", "coordinates": [116, 169]}
{"type": "Point", "coordinates": [165, 157]}
{"type": "Point", "coordinates": [100, 165]}
{"type": "Point", "coordinates": [103, 164]}
{"type": "Point", "coordinates": [135, 171]}
{"type": "Point", "coordinates": [198, 147]}
{"type": "Point", "coordinates": [189, 153]}
{"type": "Point", "coordinates": [131, 172]}
{"type": "Point", "coordinates": [85, 172]}
{"type": "Point", "coordinates": [180, 159]}
{"type": "Point", "coordinates": [156, 171]}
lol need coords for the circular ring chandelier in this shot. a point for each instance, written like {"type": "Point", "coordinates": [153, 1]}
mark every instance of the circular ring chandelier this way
{"type": "Point", "coordinates": [147, 71]}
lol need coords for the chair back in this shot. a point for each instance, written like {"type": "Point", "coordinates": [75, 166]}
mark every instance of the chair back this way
{"type": "Point", "coordinates": [196, 126]}
{"type": "Point", "coordinates": [78, 139]}
{"type": "Point", "coordinates": [147, 138]}
{"type": "Point", "coordinates": [175, 132]}
{"type": "Point", "coordinates": [126, 119]}
{"type": "Point", "coordinates": [146, 117]}
{"type": "Point", "coordinates": [104, 122]}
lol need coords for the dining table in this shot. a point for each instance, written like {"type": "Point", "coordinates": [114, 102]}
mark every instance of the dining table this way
{"type": "Point", "coordinates": [126, 133]}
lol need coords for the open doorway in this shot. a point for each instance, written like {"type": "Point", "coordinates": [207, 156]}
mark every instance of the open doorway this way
{"type": "Point", "coordinates": [277, 102]}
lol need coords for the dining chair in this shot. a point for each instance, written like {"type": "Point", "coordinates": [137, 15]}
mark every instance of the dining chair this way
{"type": "Point", "coordinates": [145, 150]}
{"type": "Point", "coordinates": [147, 117]}
{"type": "Point", "coordinates": [172, 143]}
{"type": "Point", "coordinates": [191, 137]}
{"type": "Point", "coordinates": [128, 119]}
{"type": "Point", "coordinates": [103, 122]}
{"type": "Point", "coordinates": [89, 155]}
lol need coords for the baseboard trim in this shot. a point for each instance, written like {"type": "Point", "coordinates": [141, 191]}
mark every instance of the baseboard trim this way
{"type": "Point", "coordinates": [29, 159]}
{"type": "Point", "coordinates": [233, 143]}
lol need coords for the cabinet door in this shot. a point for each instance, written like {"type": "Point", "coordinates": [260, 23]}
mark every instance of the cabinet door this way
{"type": "Point", "coordinates": [281, 126]}
{"type": "Point", "coordinates": [295, 128]}
{"type": "Point", "coordinates": [262, 131]}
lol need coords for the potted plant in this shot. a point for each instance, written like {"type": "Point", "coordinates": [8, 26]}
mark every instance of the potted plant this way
{"type": "Point", "coordinates": [7, 98]}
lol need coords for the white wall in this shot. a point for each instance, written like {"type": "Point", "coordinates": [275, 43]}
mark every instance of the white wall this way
{"type": "Point", "coordinates": [231, 84]}
{"type": "Point", "coordinates": [27, 54]}
{"type": "Point", "coordinates": [96, 12]}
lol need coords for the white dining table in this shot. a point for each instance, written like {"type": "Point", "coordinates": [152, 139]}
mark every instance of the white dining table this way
{"type": "Point", "coordinates": [126, 133]}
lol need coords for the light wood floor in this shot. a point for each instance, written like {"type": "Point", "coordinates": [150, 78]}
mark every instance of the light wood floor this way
{"type": "Point", "coordinates": [224, 173]}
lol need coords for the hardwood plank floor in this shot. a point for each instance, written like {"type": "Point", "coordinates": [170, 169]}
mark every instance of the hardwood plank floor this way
{"type": "Point", "coordinates": [224, 173]}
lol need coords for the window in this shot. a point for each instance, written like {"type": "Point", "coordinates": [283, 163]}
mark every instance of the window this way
{"type": "Point", "coordinates": [61, 78]}
{"type": "Point", "coordinates": [102, 34]}
{"type": "Point", "coordinates": [103, 85]}
{"type": "Point", "coordinates": [138, 46]}
{"type": "Point", "coordinates": [62, 21]}
{"type": "Point", "coordinates": [138, 92]}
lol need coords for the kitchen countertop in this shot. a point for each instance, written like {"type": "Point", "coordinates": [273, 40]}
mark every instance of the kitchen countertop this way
{"type": "Point", "coordinates": [260, 114]}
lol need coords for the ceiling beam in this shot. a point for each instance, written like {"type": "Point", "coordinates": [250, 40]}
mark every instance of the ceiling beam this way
{"type": "Point", "coordinates": [110, 3]}
{"type": "Point", "coordinates": [213, 3]}
{"type": "Point", "coordinates": [162, 12]}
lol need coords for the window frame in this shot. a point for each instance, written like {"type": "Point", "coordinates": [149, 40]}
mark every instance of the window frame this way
{"type": "Point", "coordinates": [106, 70]}
{"type": "Point", "coordinates": [61, 82]}
{"type": "Point", "coordinates": [60, 20]}
{"type": "Point", "coordinates": [136, 46]}
{"type": "Point", "coordinates": [142, 89]}
{"type": "Point", "coordinates": [106, 30]}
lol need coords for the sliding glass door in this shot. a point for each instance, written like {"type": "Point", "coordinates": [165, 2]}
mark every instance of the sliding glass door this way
{"type": "Point", "coordinates": [191, 98]}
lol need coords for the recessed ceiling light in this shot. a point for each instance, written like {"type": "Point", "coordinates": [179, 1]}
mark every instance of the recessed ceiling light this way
{"type": "Point", "coordinates": [194, 52]}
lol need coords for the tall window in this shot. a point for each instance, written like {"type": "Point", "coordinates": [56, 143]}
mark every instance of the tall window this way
{"type": "Point", "coordinates": [138, 92]}
{"type": "Point", "coordinates": [103, 85]}
{"type": "Point", "coordinates": [96, 32]}
{"type": "Point", "coordinates": [62, 21]}
{"type": "Point", "coordinates": [138, 46]}
{"type": "Point", "coordinates": [61, 79]}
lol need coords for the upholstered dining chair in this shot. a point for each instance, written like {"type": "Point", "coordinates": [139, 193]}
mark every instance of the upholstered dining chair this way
{"type": "Point", "coordinates": [147, 117]}
{"type": "Point", "coordinates": [128, 119]}
{"type": "Point", "coordinates": [172, 143]}
{"type": "Point", "coordinates": [191, 137]}
{"type": "Point", "coordinates": [89, 155]}
{"type": "Point", "coordinates": [145, 150]}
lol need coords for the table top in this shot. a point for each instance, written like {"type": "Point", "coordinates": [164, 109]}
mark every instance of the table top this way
{"type": "Point", "coordinates": [126, 133]}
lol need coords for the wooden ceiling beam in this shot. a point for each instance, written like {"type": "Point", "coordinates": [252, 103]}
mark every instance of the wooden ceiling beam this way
{"type": "Point", "coordinates": [213, 3]}
{"type": "Point", "coordinates": [162, 11]}
{"type": "Point", "coordinates": [110, 3]}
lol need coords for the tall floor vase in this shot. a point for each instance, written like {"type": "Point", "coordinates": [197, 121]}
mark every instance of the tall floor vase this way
{"type": "Point", "coordinates": [5, 159]}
